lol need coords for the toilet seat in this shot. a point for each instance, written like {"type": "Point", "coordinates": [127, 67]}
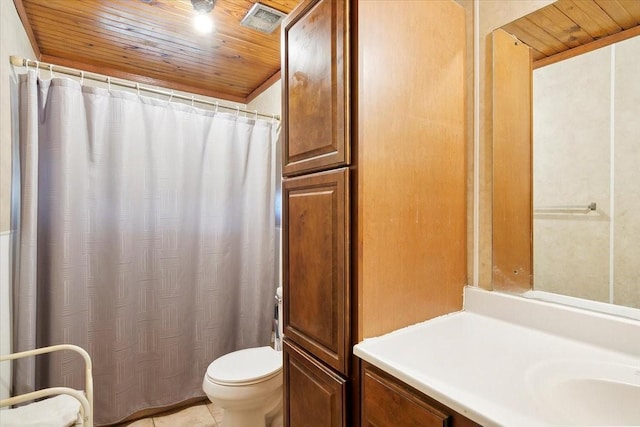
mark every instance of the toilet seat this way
{"type": "Point", "coordinates": [245, 367]}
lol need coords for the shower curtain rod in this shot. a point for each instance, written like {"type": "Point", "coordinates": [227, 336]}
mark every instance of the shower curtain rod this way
{"type": "Point", "coordinates": [24, 62]}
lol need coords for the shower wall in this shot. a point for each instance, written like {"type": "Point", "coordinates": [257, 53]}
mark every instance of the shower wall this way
{"type": "Point", "coordinates": [586, 149]}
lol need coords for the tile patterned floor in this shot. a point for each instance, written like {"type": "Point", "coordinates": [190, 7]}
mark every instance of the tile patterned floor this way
{"type": "Point", "coordinates": [199, 415]}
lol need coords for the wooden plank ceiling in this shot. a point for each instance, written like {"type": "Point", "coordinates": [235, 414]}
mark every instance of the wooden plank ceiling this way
{"type": "Point", "coordinates": [154, 42]}
{"type": "Point", "coordinates": [552, 31]}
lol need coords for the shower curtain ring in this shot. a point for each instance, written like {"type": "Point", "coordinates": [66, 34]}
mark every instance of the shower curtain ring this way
{"type": "Point", "coordinates": [237, 111]}
{"type": "Point", "coordinates": [170, 97]}
{"type": "Point", "coordinates": [193, 98]}
{"type": "Point", "coordinates": [81, 78]}
{"type": "Point", "coordinates": [109, 84]}
{"type": "Point", "coordinates": [256, 115]}
{"type": "Point", "coordinates": [37, 68]}
{"type": "Point", "coordinates": [26, 64]}
{"type": "Point", "coordinates": [138, 88]}
{"type": "Point", "coordinates": [216, 110]}
{"type": "Point", "coordinates": [51, 71]}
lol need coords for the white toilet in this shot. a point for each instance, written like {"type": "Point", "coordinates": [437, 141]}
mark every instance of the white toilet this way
{"type": "Point", "coordinates": [247, 384]}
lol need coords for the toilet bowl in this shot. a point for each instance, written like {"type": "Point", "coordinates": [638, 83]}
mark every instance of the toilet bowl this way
{"type": "Point", "coordinates": [247, 385]}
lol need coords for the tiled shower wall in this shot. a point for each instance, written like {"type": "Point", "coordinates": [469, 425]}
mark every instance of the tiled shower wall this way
{"type": "Point", "coordinates": [586, 149]}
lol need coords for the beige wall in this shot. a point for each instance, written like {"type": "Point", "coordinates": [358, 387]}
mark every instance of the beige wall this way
{"type": "Point", "coordinates": [269, 101]}
{"type": "Point", "coordinates": [13, 41]}
{"type": "Point", "coordinates": [626, 264]}
{"type": "Point", "coordinates": [490, 14]}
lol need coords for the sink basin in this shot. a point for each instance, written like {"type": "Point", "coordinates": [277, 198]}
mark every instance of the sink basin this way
{"type": "Point", "coordinates": [586, 393]}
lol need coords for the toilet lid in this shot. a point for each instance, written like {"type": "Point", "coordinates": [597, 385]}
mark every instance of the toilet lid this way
{"type": "Point", "coordinates": [245, 366]}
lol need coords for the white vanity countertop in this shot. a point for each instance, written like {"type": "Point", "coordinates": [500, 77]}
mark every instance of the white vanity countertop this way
{"type": "Point", "coordinates": [480, 362]}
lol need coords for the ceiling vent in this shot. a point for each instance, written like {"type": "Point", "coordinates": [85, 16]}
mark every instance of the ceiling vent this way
{"type": "Point", "coordinates": [262, 18]}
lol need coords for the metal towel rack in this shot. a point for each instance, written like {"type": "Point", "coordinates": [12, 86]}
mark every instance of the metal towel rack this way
{"type": "Point", "coordinates": [571, 210]}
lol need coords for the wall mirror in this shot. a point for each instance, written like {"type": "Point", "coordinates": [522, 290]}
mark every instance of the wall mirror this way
{"type": "Point", "coordinates": [566, 155]}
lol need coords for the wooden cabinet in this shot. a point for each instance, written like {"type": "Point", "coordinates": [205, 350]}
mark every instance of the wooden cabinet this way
{"type": "Point", "coordinates": [316, 213]}
{"type": "Point", "coordinates": [410, 239]}
{"type": "Point", "coordinates": [389, 402]}
{"type": "Point", "coordinates": [315, 77]}
{"type": "Point", "coordinates": [374, 213]}
{"type": "Point", "coordinates": [316, 273]}
{"type": "Point", "coordinates": [314, 396]}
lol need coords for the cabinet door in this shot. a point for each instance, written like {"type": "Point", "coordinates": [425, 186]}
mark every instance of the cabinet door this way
{"type": "Point", "coordinates": [388, 402]}
{"type": "Point", "coordinates": [316, 261]}
{"type": "Point", "coordinates": [314, 396]}
{"type": "Point", "coordinates": [315, 87]}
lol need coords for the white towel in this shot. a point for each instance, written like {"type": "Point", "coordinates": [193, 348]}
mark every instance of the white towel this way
{"type": "Point", "coordinates": [58, 411]}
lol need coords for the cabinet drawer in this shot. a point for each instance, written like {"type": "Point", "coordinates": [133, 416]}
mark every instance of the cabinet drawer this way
{"type": "Point", "coordinates": [314, 396]}
{"type": "Point", "coordinates": [315, 80]}
{"type": "Point", "coordinates": [316, 261]}
{"type": "Point", "coordinates": [387, 401]}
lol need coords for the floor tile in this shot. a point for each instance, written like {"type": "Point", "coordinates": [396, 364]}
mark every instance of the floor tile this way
{"type": "Point", "coordinates": [145, 422]}
{"type": "Point", "coordinates": [193, 416]}
{"type": "Point", "coordinates": [216, 412]}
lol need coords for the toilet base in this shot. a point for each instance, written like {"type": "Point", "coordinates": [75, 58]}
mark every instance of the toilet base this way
{"type": "Point", "coordinates": [243, 417]}
{"type": "Point", "coordinates": [257, 405]}
{"type": "Point", "coordinates": [277, 420]}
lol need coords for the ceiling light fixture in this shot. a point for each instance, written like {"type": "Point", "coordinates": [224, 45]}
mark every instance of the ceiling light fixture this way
{"type": "Point", "coordinates": [202, 21]}
{"type": "Point", "coordinates": [203, 6]}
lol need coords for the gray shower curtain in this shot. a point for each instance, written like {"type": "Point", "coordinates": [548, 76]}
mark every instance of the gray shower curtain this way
{"type": "Point", "coordinates": [146, 235]}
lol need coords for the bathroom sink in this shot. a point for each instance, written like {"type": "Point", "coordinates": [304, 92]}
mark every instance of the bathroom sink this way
{"type": "Point", "coordinates": [586, 393]}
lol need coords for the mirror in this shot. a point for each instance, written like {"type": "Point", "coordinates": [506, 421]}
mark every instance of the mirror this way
{"type": "Point", "coordinates": [550, 240]}
{"type": "Point", "coordinates": [586, 175]}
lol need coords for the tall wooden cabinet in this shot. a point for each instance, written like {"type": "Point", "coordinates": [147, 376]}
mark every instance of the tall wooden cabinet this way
{"type": "Point", "coordinates": [374, 187]}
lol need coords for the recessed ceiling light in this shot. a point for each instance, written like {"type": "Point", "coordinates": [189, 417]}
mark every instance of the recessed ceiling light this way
{"type": "Point", "coordinates": [203, 23]}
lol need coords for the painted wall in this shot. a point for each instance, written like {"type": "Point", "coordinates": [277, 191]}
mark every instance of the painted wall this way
{"type": "Point", "coordinates": [270, 102]}
{"type": "Point", "coordinates": [585, 127]}
{"type": "Point", "coordinates": [13, 41]}
{"type": "Point", "coordinates": [626, 279]}
{"type": "Point", "coordinates": [5, 313]}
